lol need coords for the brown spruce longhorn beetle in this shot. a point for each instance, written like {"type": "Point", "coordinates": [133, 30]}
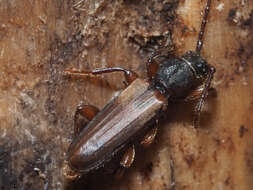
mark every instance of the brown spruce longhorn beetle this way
{"type": "Point", "coordinates": [118, 123]}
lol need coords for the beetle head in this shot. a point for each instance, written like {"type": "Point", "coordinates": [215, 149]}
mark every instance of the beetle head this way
{"type": "Point", "coordinates": [198, 65]}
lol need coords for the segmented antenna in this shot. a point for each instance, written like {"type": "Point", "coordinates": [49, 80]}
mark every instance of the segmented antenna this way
{"type": "Point", "coordinates": [202, 29]}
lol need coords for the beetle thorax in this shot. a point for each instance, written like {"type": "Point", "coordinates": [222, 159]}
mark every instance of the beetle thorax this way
{"type": "Point", "coordinates": [176, 77]}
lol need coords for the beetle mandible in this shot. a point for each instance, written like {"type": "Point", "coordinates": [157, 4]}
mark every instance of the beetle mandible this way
{"type": "Point", "coordinates": [117, 124]}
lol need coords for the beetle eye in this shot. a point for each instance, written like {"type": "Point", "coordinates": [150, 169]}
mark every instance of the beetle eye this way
{"type": "Point", "coordinates": [201, 68]}
{"type": "Point", "coordinates": [199, 65]}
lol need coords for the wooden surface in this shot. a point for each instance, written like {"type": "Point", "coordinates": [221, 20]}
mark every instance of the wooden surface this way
{"type": "Point", "coordinates": [38, 39]}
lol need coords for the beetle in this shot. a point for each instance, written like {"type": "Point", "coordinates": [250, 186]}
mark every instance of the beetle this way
{"type": "Point", "coordinates": [116, 126]}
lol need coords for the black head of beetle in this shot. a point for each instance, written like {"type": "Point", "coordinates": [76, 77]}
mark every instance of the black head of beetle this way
{"type": "Point", "coordinates": [199, 65]}
{"type": "Point", "coordinates": [178, 76]}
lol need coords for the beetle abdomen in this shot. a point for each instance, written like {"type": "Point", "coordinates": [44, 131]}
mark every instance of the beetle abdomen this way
{"type": "Point", "coordinates": [114, 126]}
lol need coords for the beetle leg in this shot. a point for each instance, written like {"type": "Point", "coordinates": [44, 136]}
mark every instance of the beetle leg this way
{"type": "Point", "coordinates": [87, 111]}
{"type": "Point", "coordinates": [195, 94]}
{"type": "Point", "coordinates": [119, 173]}
{"type": "Point", "coordinates": [128, 157]}
{"type": "Point", "coordinates": [152, 66]}
{"type": "Point", "coordinates": [203, 97]}
{"type": "Point", "coordinates": [126, 161]}
{"type": "Point", "coordinates": [149, 138]}
{"type": "Point", "coordinates": [129, 75]}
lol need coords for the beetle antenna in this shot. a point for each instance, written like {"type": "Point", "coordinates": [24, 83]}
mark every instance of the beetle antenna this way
{"type": "Point", "coordinates": [202, 29]}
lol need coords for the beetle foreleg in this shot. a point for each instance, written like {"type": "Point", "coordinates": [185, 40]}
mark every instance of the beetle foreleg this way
{"type": "Point", "coordinates": [129, 75]}
{"type": "Point", "coordinates": [203, 97]}
{"type": "Point", "coordinates": [195, 94]}
{"type": "Point", "coordinates": [87, 111]}
{"type": "Point", "coordinates": [149, 137]}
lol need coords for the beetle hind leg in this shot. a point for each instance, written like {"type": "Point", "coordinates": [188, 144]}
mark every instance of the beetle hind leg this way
{"type": "Point", "coordinates": [128, 157]}
{"type": "Point", "coordinates": [86, 111]}
{"type": "Point", "coordinates": [126, 161]}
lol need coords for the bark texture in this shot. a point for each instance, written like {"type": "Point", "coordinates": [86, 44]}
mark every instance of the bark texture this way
{"type": "Point", "coordinates": [39, 39]}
